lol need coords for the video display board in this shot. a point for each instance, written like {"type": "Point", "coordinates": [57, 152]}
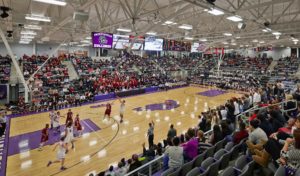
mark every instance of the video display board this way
{"type": "Point", "coordinates": [175, 45]}
{"type": "Point", "coordinates": [153, 44]}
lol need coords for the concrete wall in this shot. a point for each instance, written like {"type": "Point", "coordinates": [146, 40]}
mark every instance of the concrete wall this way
{"type": "Point", "coordinates": [276, 53]}
{"type": "Point", "coordinates": [42, 49]}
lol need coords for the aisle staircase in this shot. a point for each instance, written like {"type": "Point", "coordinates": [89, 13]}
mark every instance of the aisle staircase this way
{"type": "Point", "coordinates": [71, 70]}
{"type": "Point", "coordinates": [272, 65]}
{"type": "Point", "coordinates": [297, 74]}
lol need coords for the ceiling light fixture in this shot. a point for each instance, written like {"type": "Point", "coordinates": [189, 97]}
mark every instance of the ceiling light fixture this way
{"type": "Point", "coordinates": [227, 34]}
{"type": "Point", "coordinates": [28, 33]}
{"type": "Point", "coordinates": [255, 41]}
{"type": "Point", "coordinates": [215, 11]}
{"type": "Point", "coordinates": [186, 27]}
{"type": "Point", "coordinates": [53, 2]}
{"type": "Point", "coordinates": [276, 33]}
{"type": "Point", "coordinates": [35, 17]}
{"type": "Point", "coordinates": [32, 27]}
{"type": "Point", "coordinates": [151, 33]}
{"type": "Point", "coordinates": [235, 18]}
{"type": "Point", "coordinates": [203, 40]}
{"type": "Point", "coordinates": [189, 38]}
{"type": "Point", "coordinates": [124, 30]}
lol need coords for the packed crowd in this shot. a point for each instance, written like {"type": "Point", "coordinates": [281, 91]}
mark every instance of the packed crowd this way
{"type": "Point", "coordinates": [5, 66]}
{"type": "Point", "coordinates": [286, 66]}
{"type": "Point", "coordinates": [266, 127]}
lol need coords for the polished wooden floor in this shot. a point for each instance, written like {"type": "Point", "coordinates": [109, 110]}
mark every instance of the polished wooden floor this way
{"type": "Point", "coordinates": [100, 149]}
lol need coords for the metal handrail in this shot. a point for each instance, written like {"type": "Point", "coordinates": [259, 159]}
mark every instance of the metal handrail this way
{"type": "Point", "coordinates": [276, 104]}
{"type": "Point", "coordinates": [155, 160]}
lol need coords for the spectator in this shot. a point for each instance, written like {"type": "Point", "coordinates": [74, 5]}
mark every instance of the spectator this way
{"type": "Point", "coordinates": [110, 171]}
{"type": "Point", "coordinates": [257, 136]}
{"type": "Point", "coordinates": [265, 124]}
{"type": "Point", "coordinates": [150, 134]}
{"type": "Point", "coordinates": [241, 134]}
{"type": "Point", "coordinates": [121, 170]}
{"type": "Point", "coordinates": [135, 163]}
{"type": "Point", "coordinates": [172, 132]}
{"type": "Point", "coordinates": [202, 146]}
{"type": "Point", "coordinates": [150, 153]}
{"type": "Point", "coordinates": [226, 131]}
{"type": "Point", "coordinates": [190, 148]}
{"type": "Point", "coordinates": [175, 154]}
{"type": "Point", "coordinates": [216, 136]}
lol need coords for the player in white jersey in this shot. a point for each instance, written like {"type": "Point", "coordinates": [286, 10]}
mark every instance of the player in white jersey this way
{"type": "Point", "coordinates": [51, 116]}
{"type": "Point", "coordinates": [69, 135]}
{"type": "Point", "coordinates": [61, 153]}
{"type": "Point", "coordinates": [122, 109]}
{"type": "Point", "coordinates": [56, 124]}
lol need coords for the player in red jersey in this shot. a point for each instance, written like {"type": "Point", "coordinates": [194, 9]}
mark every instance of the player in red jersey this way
{"type": "Point", "coordinates": [78, 126]}
{"type": "Point", "coordinates": [107, 111]}
{"type": "Point", "coordinates": [45, 136]}
{"type": "Point", "coordinates": [69, 116]}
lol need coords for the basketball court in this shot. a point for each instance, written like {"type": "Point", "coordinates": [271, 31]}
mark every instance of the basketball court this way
{"type": "Point", "coordinates": [104, 143]}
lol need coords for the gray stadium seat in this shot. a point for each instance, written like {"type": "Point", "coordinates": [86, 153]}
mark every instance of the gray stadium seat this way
{"type": "Point", "coordinates": [219, 145]}
{"type": "Point", "coordinates": [214, 168]}
{"type": "Point", "coordinates": [198, 160]}
{"type": "Point", "coordinates": [219, 154]}
{"type": "Point", "coordinates": [186, 168]}
{"type": "Point", "coordinates": [225, 160]}
{"type": "Point", "coordinates": [235, 152]}
{"type": "Point", "coordinates": [210, 152]}
{"type": "Point", "coordinates": [194, 172]}
{"type": "Point", "coordinates": [176, 173]}
{"type": "Point", "coordinates": [229, 171]}
{"type": "Point", "coordinates": [248, 169]}
{"type": "Point", "coordinates": [207, 162]}
{"type": "Point", "coordinates": [229, 146]}
{"type": "Point", "coordinates": [280, 171]}
{"type": "Point", "coordinates": [168, 171]}
{"type": "Point", "coordinates": [241, 162]}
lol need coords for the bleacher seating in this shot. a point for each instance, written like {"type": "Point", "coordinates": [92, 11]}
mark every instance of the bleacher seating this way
{"type": "Point", "coordinates": [5, 66]}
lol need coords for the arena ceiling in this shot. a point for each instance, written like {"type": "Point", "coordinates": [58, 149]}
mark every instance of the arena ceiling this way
{"type": "Point", "coordinates": [142, 16]}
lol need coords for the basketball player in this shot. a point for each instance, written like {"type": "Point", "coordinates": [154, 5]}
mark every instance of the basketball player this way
{"type": "Point", "coordinates": [61, 153]}
{"type": "Point", "coordinates": [78, 125]}
{"type": "Point", "coordinates": [45, 136]}
{"type": "Point", "coordinates": [107, 111]}
{"type": "Point", "coordinates": [56, 124]}
{"type": "Point", "coordinates": [69, 116]}
{"type": "Point", "coordinates": [51, 116]}
{"type": "Point", "coordinates": [69, 135]}
{"type": "Point", "coordinates": [122, 109]}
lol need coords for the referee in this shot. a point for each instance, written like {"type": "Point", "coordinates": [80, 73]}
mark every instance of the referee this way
{"type": "Point", "coordinates": [150, 134]}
